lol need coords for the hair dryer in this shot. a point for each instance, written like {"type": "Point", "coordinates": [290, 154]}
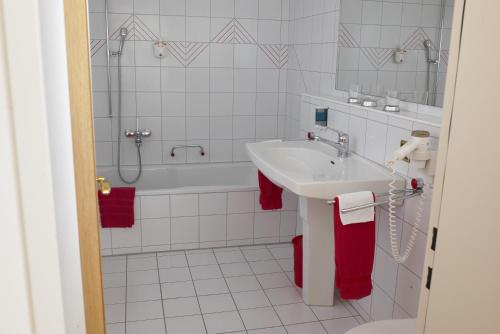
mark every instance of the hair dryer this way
{"type": "Point", "coordinates": [417, 149]}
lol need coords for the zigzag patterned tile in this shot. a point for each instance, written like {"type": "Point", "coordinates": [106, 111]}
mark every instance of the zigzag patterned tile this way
{"type": "Point", "coordinates": [137, 30]}
{"type": "Point", "coordinates": [277, 53]}
{"type": "Point", "coordinates": [234, 32]}
{"type": "Point", "coordinates": [186, 52]}
{"type": "Point", "coordinates": [378, 57]}
{"type": "Point", "coordinates": [96, 45]}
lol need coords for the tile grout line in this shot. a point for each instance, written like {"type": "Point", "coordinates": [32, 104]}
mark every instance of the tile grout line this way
{"type": "Point", "coordinates": [161, 294]}
{"type": "Point", "coordinates": [265, 294]}
{"type": "Point", "coordinates": [230, 293]}
{"type": "Point", "coordinates": [196, 295]}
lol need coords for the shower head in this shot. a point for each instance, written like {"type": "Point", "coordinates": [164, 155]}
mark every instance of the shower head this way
{"type": "Point", "coordinates": [427, 43]}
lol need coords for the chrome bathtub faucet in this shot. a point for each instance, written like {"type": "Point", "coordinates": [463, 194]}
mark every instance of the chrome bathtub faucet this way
{"type": "Point", "coordinates": [138, 134]}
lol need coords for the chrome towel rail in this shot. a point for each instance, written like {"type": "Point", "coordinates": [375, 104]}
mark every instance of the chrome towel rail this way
{"type": "Point", "coordinates": [172, 151]}
{"type": "Point", "coordinates": [408, 193]}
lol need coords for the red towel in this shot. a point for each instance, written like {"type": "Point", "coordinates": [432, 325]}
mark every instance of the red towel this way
{"type": "Point", "coordinates": [270, 194]}
{"type": "Point", "coordinates": [117, 208]}
{"type": "Point", "coordinates": [354, 256]}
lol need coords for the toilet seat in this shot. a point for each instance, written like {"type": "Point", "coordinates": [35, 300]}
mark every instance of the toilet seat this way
{"type": "Point", "coordinates": [405, 326]}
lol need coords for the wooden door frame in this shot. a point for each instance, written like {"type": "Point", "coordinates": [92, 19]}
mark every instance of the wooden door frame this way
{"type": "Point", "coordinates": [80, 92]}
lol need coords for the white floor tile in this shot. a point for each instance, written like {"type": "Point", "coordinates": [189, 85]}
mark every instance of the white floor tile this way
{"type": "Point", "coordinates": [142, 277]}
{"type": "Point", "coordinates": [295, 314]}
{"type": "Point", "coordinates": [251, 299]}
{"type": "Point", "coordinates": [243, 283]}
{"type": "Point", "coordinates": [236, 269]}
{"type": "Point", "coordinates": [273, 330]}
{"type": "Point", "coordinates": [280, 296]}
{"type": "Point", "coordinates": [183, 325]}
{"type": "Point", "coordinates": [114, 313]}
{"type": "Point", "coordinates": [309, 328]}
{"type": "Point", "coordinates": [144, 310]}
{"type": "Point", "coordinates": [274, 280]}
{"type": "Point", "coordinates": [135, 264]}
{"type": "Point", "coordinates": [114, 295]}
{"type": "Point", "coordinates": [172, 261]}
{"type": "Point", "coordinates": [223, 322]}
{"type": "Point", "coordinates": [180, 307]}
{"type": "Point", "coordinates": [282, 252]}
{"type": "Point", "coordinates": [156, 326]}
{"type": "Point", "coordinates": [265, 267]}
{"type": "Point", "coordinates": [118, 328]}
{"type": "Point", "coordinates": [331, 312]}
{"type": "Point", "coordinates": [260, 318]}
{"type": "Point", "coordinates": [114, 280]}
{"type": "Point", "coordinates": [286, 264]}
{"type": "Point", "coordinates": [177, 289]}
{"type": "Point", "coordinates": [114, 266]}
{"type": "Point", "coordinates": [206, 272]}
{"type": "Point", "coordinates": [174, 275]}
{"type": "Point", "coordinates": [201, 259]}
{"type": "Point", "coordinates": [229, 257]}
{"type": "Point", "coordinates": [140, 293]}
{"type": "Point", "coordinates": [340, 326]}
{"type": "Point", "coordinates": [216, 303]}
{"type": "Point", "coordinates": [210, 287]}
{"type": "Point", "coordinates": [257, 255]}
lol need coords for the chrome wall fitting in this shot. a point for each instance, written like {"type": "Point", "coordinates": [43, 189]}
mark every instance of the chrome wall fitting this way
{"type": "Point", "coordinates": [390, 108]}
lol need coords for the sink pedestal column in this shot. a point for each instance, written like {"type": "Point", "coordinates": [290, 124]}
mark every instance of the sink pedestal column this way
{"type": "Point", "coordinates": [318, 252]}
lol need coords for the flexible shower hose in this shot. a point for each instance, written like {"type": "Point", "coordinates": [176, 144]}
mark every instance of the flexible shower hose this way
{"type": "Point", "coordinates": [139, 158]}
{"type": "Point", "coordinates": [395, 248]}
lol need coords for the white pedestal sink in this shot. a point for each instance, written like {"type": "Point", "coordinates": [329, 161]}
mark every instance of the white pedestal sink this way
{"type": "Point", "coordinates": [313, 171]}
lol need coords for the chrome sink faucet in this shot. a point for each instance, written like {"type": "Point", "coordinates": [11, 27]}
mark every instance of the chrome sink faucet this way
{"type": "Point", "coordinates": [342, 145]}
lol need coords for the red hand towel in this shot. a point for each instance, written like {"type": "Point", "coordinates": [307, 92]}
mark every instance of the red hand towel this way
{"type": "Point", "coordinates": [354, 256]}
{"type": "Point", "coordinates": [117, 208]}
{"type": "Point", "coordinates": [270, 194]}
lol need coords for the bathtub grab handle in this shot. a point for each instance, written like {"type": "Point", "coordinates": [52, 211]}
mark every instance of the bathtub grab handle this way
{"type": "Point", "coordinates": [172, 151]}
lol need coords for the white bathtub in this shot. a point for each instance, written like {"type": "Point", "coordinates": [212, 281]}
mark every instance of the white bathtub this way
{"type": "Point", "coordinates": [198, 206]}
{"type": "Point", "coordinates": [187, 178]}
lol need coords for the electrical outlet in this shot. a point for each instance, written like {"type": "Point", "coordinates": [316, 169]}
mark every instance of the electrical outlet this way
{"type": "Point", "coordinates": [401, 143]}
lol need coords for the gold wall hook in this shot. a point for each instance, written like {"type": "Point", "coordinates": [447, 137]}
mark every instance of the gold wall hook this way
{"type": "Point", "coordinates": [103, 185]}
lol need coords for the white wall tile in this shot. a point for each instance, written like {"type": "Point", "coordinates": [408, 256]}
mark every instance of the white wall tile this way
{"type": "Point", "coordinates": [213, 228]}
{"type": "Point", "coordinates": [185, 230]}
{"type": "Point", "coordinates": [408, 291]}
{"type": "Point", "coordinates": [155, 206]}
{"type": "Point", "coordinates": [213, 203]}
{"type": "Point", "coordinates": [240, 226]}
{"type": "Point", "coordinates": [184, 205]}
{"type": "Point", "coordinates": [155, 232]}
{"type": "Point", "coordinates": [241, 202]}
{"type": "Point", "coordinates": [267, 224]}
{"type": "Point", "coordinates": [126, 237]}
{"type": "Point", "coordinates": [382, 305]}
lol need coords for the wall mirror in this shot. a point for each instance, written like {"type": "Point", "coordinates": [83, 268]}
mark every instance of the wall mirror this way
{"type": "Point", "coordinates": [390, 46]}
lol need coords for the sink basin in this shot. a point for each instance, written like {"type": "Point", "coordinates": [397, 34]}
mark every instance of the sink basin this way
{"type": "Point", "coordinates": [312, 169]}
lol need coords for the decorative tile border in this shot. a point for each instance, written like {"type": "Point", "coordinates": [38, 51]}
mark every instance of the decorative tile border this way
{"type": "Point", "coordinates": [378, 57]}
{"type": "Point", "coordinates": [186, 52]}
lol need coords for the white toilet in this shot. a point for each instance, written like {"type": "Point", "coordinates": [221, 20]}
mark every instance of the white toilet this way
{"type": "Point", "coordinates": [405, 326]}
